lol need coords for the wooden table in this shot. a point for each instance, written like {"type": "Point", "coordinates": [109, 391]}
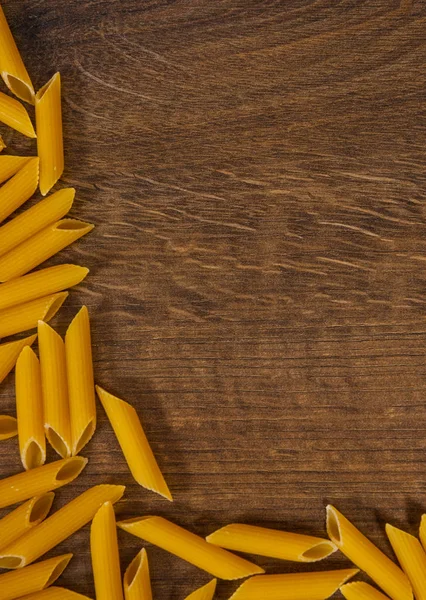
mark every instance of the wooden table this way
{"type": "Point", "coordinates": [256, 174]}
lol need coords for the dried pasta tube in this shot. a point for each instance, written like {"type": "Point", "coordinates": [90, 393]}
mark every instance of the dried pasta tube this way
{"type": "Point", "coordinates": [33, 578]}
{"type": "Point", "coordinates": [12, 68]}
{"type": "Point", "coordinates": [14, 114]}
{"type": "Point", "coordinates": [365, 555]}
{"type": "Point", "coordinates": [22, 317]}
{"type": "Point", "coordinates": [358, 590]}
{"type": "Point", "coordinates": [136, 582]}
{"type": "Point", "coordinates": [294, 586]}
{"type": "Point", "coordinates": [29, 409]}
{"type": "Point", "coordinates": [25, 517]}
{"type": "Point", "coordinates": [105, 557]}
{"type": "Point", "coordinates": [50, 144]}
{"type": "Point", "coordinates": [190, 547]}
{"type": "Point", "coordinates": [204, 593]}
{"type": "Point", "coordinates": [55, 390]}
{"type": "Point", "coordinates": [36, 218]}
{"type": "Point", "coordinates": [19, 188]}
{"type": "Point", "coordinates": [411, 557]}
{"type": "Point", "coordinates": [9, 165]}
{"type": "Point", "coordinates": [81, 386]}
{"type": "Point", "coordinates": [41, 480]}
{"type": "Point", "coordinates": [271, 542]}
{"type": "Point", "coordinates": [9, 353]}
{"type": "Point", "coordinates": [41, 246]}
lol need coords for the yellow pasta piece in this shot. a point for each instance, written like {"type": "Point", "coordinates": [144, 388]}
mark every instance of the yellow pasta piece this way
{"type": "Point", "coordinates": [81, 386]}
{"type": "Point", "coordinates": [134, 444]}
{"type": "Point", "coordinates": [36, 218]}
{"type": "Point", "coordinates": [8, 427]}
{"type": "Point", "coordinates": [29, 410]}
{"type": "Point", "coordinates": [14, 114]}
{"type": "Point", "coordinates": [271, 542]}
{"type": "Point", "coordinates": [9, 165]}
{"type": "Point", "coordinates": [55, 593]}
{"type": "Point", "coordinates": [358, 590]}
{"type": "Point", "coordinates": [22, 317]}
{"type": "Point", "coordinates": [294, 586]}
{"type": "Point", "coordinates": [204, 593]}
{"type": "Point", "coordinates": [411, 557]}
{"type": "Point", "coordinates": [41, 480]}
{"type": "Point", "coordinates": [25, 517]}
{"type": "Point", "coordinates": [365, 555]}
{"type": "Point", "coordinates": [49, 133]}
{"type": "Point", "coordinates": [9, 353]}
{"type": "Point", "coordinates": [105, 557]}
{"type": "Point", "coordinates": [422, 531]}
{"type": "Point", "coordinates": [2, 144]}
{"type": "Point", "coordinates": [40, 283]}
{"type": "Point", "coordinates": [41, 246]}
{"type": "Point", "coordinates": [55, 389]}
{"type": "Point", "coordinates": [59, 526]}
{"type": "Point", "coordinates": [190, 547]}
{"type": "Point", "coordinates": [12, 68]}
{"type": "Point", "coordinates": [136, 582]}
{"type": "Point", "coordinates": [32, 579]}
{"type": "Point", "coordinates": [19, 188]}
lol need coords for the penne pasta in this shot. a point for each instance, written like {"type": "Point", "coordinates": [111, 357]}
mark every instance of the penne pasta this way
{"type": "Point", "coordinates": [9, 165]}
{"type": "Point", "coordinates": [294, 586]}
{"type": "Point", "coordinates": [81, 386]}
{"type": "Point", "coordinates": [55, 390]}
{"type": "Point", "coordinates": [55, 593]}
{"type": "Point", "coordinates": [9, 353]}
{"type": "Point", "coordinates": [271, 542]}
{"type": "Point", "coordinates": [12, 68]}
{"type": "Point", "coordinates": [2, 144]}
{"type": "Point", "coordinates": [39, 481]}
{"type": "Point", "coordinates": [134, 444]}
{"type": "Point", "coordinates": [59, 526]}
{"type": "Point", "coordinates": [8, 427]}
{"type": "Point", "coordinates": [32, 579]}
{"type": "Point", "coordinates": [29, 410]}
{"type": "Point", "coordinates": [14, 114]}
{"type": "Point", "coordinates": [365, 555]}
{"type": "Point", "coordinates": [411, 557]}
{"type": "Point", "coordinates": [358, 590]}
{"type": "Point", "coordinates": [40, 283]}
{"type": "Point", "coordinates": [25, 517]}
{"type": "Point", "coordinates": [189, 547]}
{"type": "Point", "coordinates": [49, 133]}
{"type": "Point", "coordinates": [204, 593]}
{"type": "Point", "coordinates": [105, 557]}
{"type": "Point", "coordinates": [41, 246]}
{"type": "Point", "coordinates": [136, 582]}
{"type": "Point", "coordinates": [36, 218]}
{"type": "Point", "coordinates": [25, 316]}
{"type": "Point", "coordinates": [19, 188]}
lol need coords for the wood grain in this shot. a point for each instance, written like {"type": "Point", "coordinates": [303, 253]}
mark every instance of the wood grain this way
{"type": "Point", "coordinates": [256, 173]}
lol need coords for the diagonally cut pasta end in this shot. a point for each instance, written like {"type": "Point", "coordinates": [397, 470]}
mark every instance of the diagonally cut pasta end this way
{"type": "Point", "coordinates": [55, 303]}
{"type": "Point", "coordinates": [133, 571]}
{"type": "Point", "coordinates": [8, 427]}
{"type": "Point", "coordinates": [58, 443]}
{"type": "Point", "coordinates": [70, 468]}
{"type": "Point", "coordinates": [61, 565]}
{"type": "Point", "coordinates": [39, 508]}
{"type": "Point", "coordinates": [73, 225]}
{"type": "Point", "coordinates": [12, 561]}
{"type": "Point", "coordinates": [41, 92]}
{"type": "Point", "coordinates": [318, 551]}
{"type": "Point", "coordinates": [33, 454]}
{"type": "Point", "coordinates": [333, 525]}
{"type": "Point", "coordinates": [84, 438]}
{"type": "Point", "coordinates": [18, 87]}
{"type": "Point", "coordinates": [360, 589]}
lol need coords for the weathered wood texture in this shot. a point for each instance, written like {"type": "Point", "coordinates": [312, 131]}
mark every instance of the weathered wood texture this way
{"type": "Point", "coordinates": [256, 174]}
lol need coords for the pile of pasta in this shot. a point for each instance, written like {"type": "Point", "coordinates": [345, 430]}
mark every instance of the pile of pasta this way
{"type": "Point", "coordinates": [55, 403]}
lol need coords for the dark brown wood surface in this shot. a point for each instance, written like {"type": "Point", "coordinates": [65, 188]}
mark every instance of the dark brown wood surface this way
{"type": "Point", "coordinates": [256, 174]}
